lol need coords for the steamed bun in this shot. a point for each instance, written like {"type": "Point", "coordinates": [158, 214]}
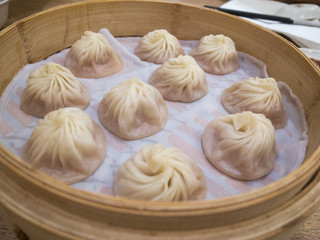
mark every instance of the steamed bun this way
{"type": "Point", "coordinates": [180, 79]}
{"type": "Point", "coordinates": [51, 87]}
{"type": "Point", "coordinates": [241, 145]}
{"type": "Point", "coordinates": [158, 46]}
{"type": "Point", "coordinates": [133, 109]}
{"type": "Point", "coordinates": [258, 95]}
{"type": "Point", "coordinates": [158, 173]}
{"type": "Point", "coordinates": [216, 54]}
{"type": "Point", "coordinates": [93, 57]}
{"type": "Point", "coordinates": [67, 145]}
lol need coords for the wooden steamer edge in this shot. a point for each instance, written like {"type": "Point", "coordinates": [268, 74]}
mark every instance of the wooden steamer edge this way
{"type": "Point", "coordinates": [29, 198]}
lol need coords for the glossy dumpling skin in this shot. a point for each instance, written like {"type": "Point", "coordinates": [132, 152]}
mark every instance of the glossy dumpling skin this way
{"type": "Point", "coordinates": [51, 87]}
{"type": "Point", "coordinates": [133, 109]}
{"type": "Point", "coordinates": [67, 145]}
{"type": "Point", "coordinates": [216, 54]}
{"type": "Point", "coordinates": [158, 46]}
{"type": "Point", "coordinates": [158, 173]}
{"type": "Point", "coordinates": [180, 79]}
{"type": "Point", "coordinates": [241, 145]}
{"type": "Point", "coordinates": [93, 57]}
{"type": "Point", "coordinates": [258, 95]}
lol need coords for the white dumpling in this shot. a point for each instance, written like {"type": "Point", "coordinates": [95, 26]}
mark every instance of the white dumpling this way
{"type": "Point", "coordinates": [51, 87]}
{"type": "Point", "coordinates": [93, 57]}
{"type": "Point", "coordinates": [158, 46]}
{"type": "Point", "coordinates": [67, 145]}
{"type": "Point", "coordinates": [180, 79]}
{"type": "Point", "coordinates": [241, 145]}
{"type": "Point", "coordinates": [258, 95]}
{"type": "Point", "coordinates": [133, 109]}
{"type": "Point", "coordinates": [158, 173]}
{"type": "Point", "coordinates": [216, 54]}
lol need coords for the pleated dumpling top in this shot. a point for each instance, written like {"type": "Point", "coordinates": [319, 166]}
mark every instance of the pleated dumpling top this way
{"type": "Point", "coordinates": [93, 57]}
{"type": "Point", "coordinates": [67, 144]}
{"type": "Point", "coordinates": [51, 87]}
{"type": "Point", "coordinates": [159, 173]}
{"type": "Point", "coordinates": [258, 95]}
{"type": "Point", "coordinates": [241, 145]}
{"type": "Point", "coordinates": [216, 54]}
{"type": "Point", "coordinates": [133, 109]}
{"type": "Point", "coordinates": [158, 46]}
{"type": "Point", "coordinates": [180, 79]}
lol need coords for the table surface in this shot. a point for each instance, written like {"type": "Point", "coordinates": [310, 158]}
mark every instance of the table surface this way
{"type": "Point", "coordinates": [18, 9]}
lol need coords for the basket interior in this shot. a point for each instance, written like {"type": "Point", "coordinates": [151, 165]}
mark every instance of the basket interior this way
{"type": "Point", "coordinates": [36, 37]}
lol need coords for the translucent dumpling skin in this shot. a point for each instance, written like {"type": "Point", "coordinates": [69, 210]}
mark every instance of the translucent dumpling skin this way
{"type": "Point", "coordinates": [51, 87]}
{"type": "Point", "coordinates": [216, 54]}
{"type": "Point", "coordinates": [158, 173]}
{"type": "Point", "coordinates": [158, 46]}
{"type": "Point", "coordinates": [258, 95]}
{"type": "Point", "coordinates": [93, 57]}
{"type": "Point", "coordinates": [133, 109]}
{"type": "Point", "coordinates": [180, 79]}
{"type": "Point", "coordinates": [241, 145]}
{"type": "Point", "coordinates": [67, 145]}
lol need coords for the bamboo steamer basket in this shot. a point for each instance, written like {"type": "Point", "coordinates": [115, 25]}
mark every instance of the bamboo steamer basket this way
{"type": "Point", "coordinates": [35, 206]}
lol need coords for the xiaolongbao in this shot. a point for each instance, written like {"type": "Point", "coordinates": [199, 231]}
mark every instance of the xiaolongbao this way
{"type": "Point", "coordinates": [133, 109]}
{"type": "Point", "coordinates": [241, 145]}
{"type": "Point", "coordinates": [51, 87]}
{"type": "Point", "coordinates": [180, 79]}
{"type": "Point", "coordinates": [258, 95]}
{"type": "Point", "coordinates": [158, 173]}
{"type": "Point", "coordinates": [216, 54]}
{"type": "Point", "coordinates": [158, 46]}
{"type": "Point", "coordinates": [67, 144]}
{"type": "Point", "coordinates": [93, 57]}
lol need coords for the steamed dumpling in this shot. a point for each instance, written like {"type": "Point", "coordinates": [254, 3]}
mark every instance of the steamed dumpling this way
{"type": "Point", "coordinates": [180, 79]}
{"type": "Point", "coordinates": [216, 54]}
{"type": "Point", "coordinates": [258, 95]}
{"type": "Point", "coordinates": [158, 173]}
{"type": "Point", "coordinates": [241, 145]}
{"type": "Point", "coordinates": [93, 57]}
{"type": "Point", "coordinates": [51, 87]}
{"type": "Point", "coordinates": [158, 46]}
{"type": "Point", "coordinates": [133, 109]}
{"type": "Point", "coordinates": [67, 144]}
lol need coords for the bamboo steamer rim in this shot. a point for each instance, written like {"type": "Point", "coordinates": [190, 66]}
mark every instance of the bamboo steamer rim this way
{"type": "Point", "coordinates": [124, 205]}
{"type": "Point", "coordinates": [309, 167]}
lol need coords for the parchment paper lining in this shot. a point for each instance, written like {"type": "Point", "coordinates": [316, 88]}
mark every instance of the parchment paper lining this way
{"type": "Point", "coordinates": [184, 128]}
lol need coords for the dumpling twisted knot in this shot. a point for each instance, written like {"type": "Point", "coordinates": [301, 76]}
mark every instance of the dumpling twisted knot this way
{"type": "Point", "coordinates": [159, 173]}
{"type": "Point", "coordinates": [93, 57]}
{"type": "Point", "coordinates": [216, 54]}
{"type": "Point", "coordinates": [91, 48]}
{"type": "Point", "coordinates": [258, 95]}
{"type": "Point", "coordinates": [133, 109]}
{"type": "Point", "coordinates": [51, 87]}
{"type": "Point", "coordinates": [241, 145]}
{"type": "Point", "coordinates": [67, 144]}
{"type": "Point", "coordinates": [180, 79]}
{"type": "Point", "coordinates": [158, 46]}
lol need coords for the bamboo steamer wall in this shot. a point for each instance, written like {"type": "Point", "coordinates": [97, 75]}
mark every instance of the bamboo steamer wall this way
{"type": "Point", "coordinates": [39, 207]}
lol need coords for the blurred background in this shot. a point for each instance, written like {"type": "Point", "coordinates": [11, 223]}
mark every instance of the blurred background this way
{"type": "Point", "coordinates": [19, 9]}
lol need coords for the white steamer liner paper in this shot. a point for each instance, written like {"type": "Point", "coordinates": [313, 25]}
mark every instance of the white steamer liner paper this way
{"type": "Point", "coordinates": [184, 129]}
